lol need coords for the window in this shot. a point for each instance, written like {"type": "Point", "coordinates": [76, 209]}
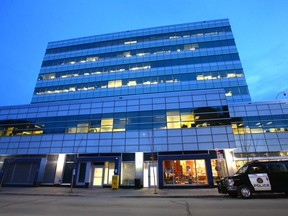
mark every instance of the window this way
{"type": "Point", "coordinates": [258, 169]}
{"type": "Point", "coordinates": [274, 168]}
{"type": "Point", "coordinates": [173, 119]}
{"type": "Point", "coordinates": [106, 124]}
{"type": "Point", "coordinates": [130, 42]}
{"type": "Point", "coordinates": [184, 172]}
{"type": "Point", "coordinates": [242, 169]}
{"type": "Point", "coordinates": [108, 172]}
{"type": "Point", "coordinates": [191, 46]}
{"type": "Point", "coordinates": [82, 128]}
{"type": "Point", "coordinates": [128, 170]}
{"type": "Point", "coordinates": [114, 83]}
{"type": "Point", "coordinates": [132, 83]}
{"type": "Point", "coordinates": [187, 120]}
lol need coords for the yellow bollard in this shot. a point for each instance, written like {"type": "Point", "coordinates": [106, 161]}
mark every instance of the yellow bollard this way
{"type": "Point", "coordinates": [115, 181]}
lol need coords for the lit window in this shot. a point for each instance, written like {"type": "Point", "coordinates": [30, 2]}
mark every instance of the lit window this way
{"type": "Point", "coordinates": [142, 54]}
{"type": "Point", "coordinates": [228, 94]}
{"type": "Point", "coordinates": [106, 124]}
{"type": "Point", "coordinates": [130, 42]}
{"type": "Point", "coordinates": [97, 72]}
{"type": "Point", "coordinates": [82, 128]}
{"type": "Point", "coordinates": [92, 59]}
{"type": "Point", "coordinates": [114, 83]}
{"type": "Point", "coordinates": [207, 77]}
{"type": "Point", "coordinates": [147, 83]}
{"type": "Point", "coordinates": [173, 37]}
{"type": "Point", "coordinates": [187, 120]}
{"type": "Point", "coordinates": [231, 75]}
{"type": "Point", "coordinates": [173, 119]}
{"type": "Point", "coordinates": [127, 54]}
{"type": "Point", "coordinates": [191, 46]}
{"type": "Point", "coordinates": [132, 83]}
{"type": "Point", "coordinates": [200, 77]}
{"type": "Point", "coordinates": [140, 68]}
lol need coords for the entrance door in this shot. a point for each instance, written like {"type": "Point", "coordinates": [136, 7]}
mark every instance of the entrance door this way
{"type": "Point", "coordinates": [97, 177]}
{"type": "Point", "coordinates": [152, 175]}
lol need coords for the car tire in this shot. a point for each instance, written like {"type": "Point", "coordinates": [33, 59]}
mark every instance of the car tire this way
{"type": "Point", "coordinates": [233, 194]}
{"type": "Point", "coordinates": [244, 192]}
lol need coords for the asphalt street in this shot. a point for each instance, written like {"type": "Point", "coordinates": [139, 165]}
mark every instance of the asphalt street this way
{"type": "Point", "coordinates": [16, 205]}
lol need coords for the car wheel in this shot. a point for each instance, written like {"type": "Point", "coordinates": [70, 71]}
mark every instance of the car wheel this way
{"type": "Point", "coordinates": [244, 192]}
{"type": "Point", "coordinates": [233, 194]}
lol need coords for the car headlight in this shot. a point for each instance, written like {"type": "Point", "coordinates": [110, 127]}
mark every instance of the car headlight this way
{"type": "Point", "coordinates": [230, 182]}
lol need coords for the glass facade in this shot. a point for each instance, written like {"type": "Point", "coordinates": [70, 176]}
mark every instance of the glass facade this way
{"type": "Point", "coordinates": [181, 57]}
{"type": "Point", "coordinates": [260, 130]}
{"type": "Point", "coordinates": [108, 122]}
{"type": "Point", "coordinates": [166, 106]}
{"type": "Point", "coordinates": [131, 124]}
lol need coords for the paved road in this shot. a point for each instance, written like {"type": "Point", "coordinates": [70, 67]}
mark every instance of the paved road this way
{"type": "Point", "coordinates": [81, 206]}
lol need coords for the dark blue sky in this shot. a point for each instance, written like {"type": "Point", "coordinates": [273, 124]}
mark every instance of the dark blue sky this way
{"type": "Point", "coordinates": [260, 28]}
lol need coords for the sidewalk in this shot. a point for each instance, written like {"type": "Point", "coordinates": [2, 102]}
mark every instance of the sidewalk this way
{"type": "Point", "coordinates": [108, 192]}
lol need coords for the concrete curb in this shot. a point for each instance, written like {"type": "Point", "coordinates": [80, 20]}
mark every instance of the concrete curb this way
{"type": "Point", "coordinates": [106, 193]}
{"type": "Point", "coordinates": [114, 195]}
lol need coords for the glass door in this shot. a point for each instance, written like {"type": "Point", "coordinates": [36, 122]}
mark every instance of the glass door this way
{"type": "Point", "coordinates": [97, 177]}
{"type": "Point", "coordinates": [152, 175]}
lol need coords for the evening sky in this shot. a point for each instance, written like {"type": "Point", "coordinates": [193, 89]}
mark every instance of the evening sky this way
{"type": "Point", "coordinates": [260, 28]}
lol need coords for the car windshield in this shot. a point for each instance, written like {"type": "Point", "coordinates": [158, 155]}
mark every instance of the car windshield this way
{"type": "Point", "coordinates": [242, 169]}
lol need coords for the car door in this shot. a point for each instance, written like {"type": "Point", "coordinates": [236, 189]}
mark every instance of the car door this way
{"type": "Point", "coordinates": [259, 179]}
{"type": "Point", "coordinates": [278, 175]}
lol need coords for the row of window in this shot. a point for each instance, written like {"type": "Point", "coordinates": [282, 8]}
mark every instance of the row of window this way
{"type": "Point", "coordinates": [148, 38]}
{"type": "Point", "coordinates": [86, 73]}
{"type": "Point", "coordinates": [141, 81]}
{"type": "Point", "coordinates": [241, 93]}
{"type": "Point", "coordinates": [184, 118]}
{"type": "Point", "coordinates": [137, 52]}
{"type": "Point", "coordinates": [141, 66]}
{"type": "Point", "coordinates": [89, 105]}
{"type": "Point", "coordinates": [260, 124]}
{"type": "Point", "coordinates": [229, 92]}
{"type": "Point", "coordinates": [163, 119]}
{"type": "Point", "coordinates": [273, 107]}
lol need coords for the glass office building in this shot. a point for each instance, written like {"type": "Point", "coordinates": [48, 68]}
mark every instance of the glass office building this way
{"type": "Point", "coordinates": [166, 106]}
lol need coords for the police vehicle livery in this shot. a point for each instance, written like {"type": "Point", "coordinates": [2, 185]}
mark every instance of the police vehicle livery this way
{"type": "Point", "coordinates": [254, 177]}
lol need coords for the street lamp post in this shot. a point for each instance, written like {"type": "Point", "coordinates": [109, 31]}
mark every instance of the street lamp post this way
{"type": "Point", "coordinates": [75, 165]}
{"type": "Point", "coordinates": [151, 142]}
{"type": "Point", "coordinates": [154, 176]}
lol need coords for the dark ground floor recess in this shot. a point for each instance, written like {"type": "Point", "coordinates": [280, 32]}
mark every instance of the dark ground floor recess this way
{"type": "Point", "coordinates": [139, 169]}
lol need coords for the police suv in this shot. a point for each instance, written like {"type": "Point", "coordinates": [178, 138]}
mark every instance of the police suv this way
{"type": "Point", "coordinates": [254, 177]}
